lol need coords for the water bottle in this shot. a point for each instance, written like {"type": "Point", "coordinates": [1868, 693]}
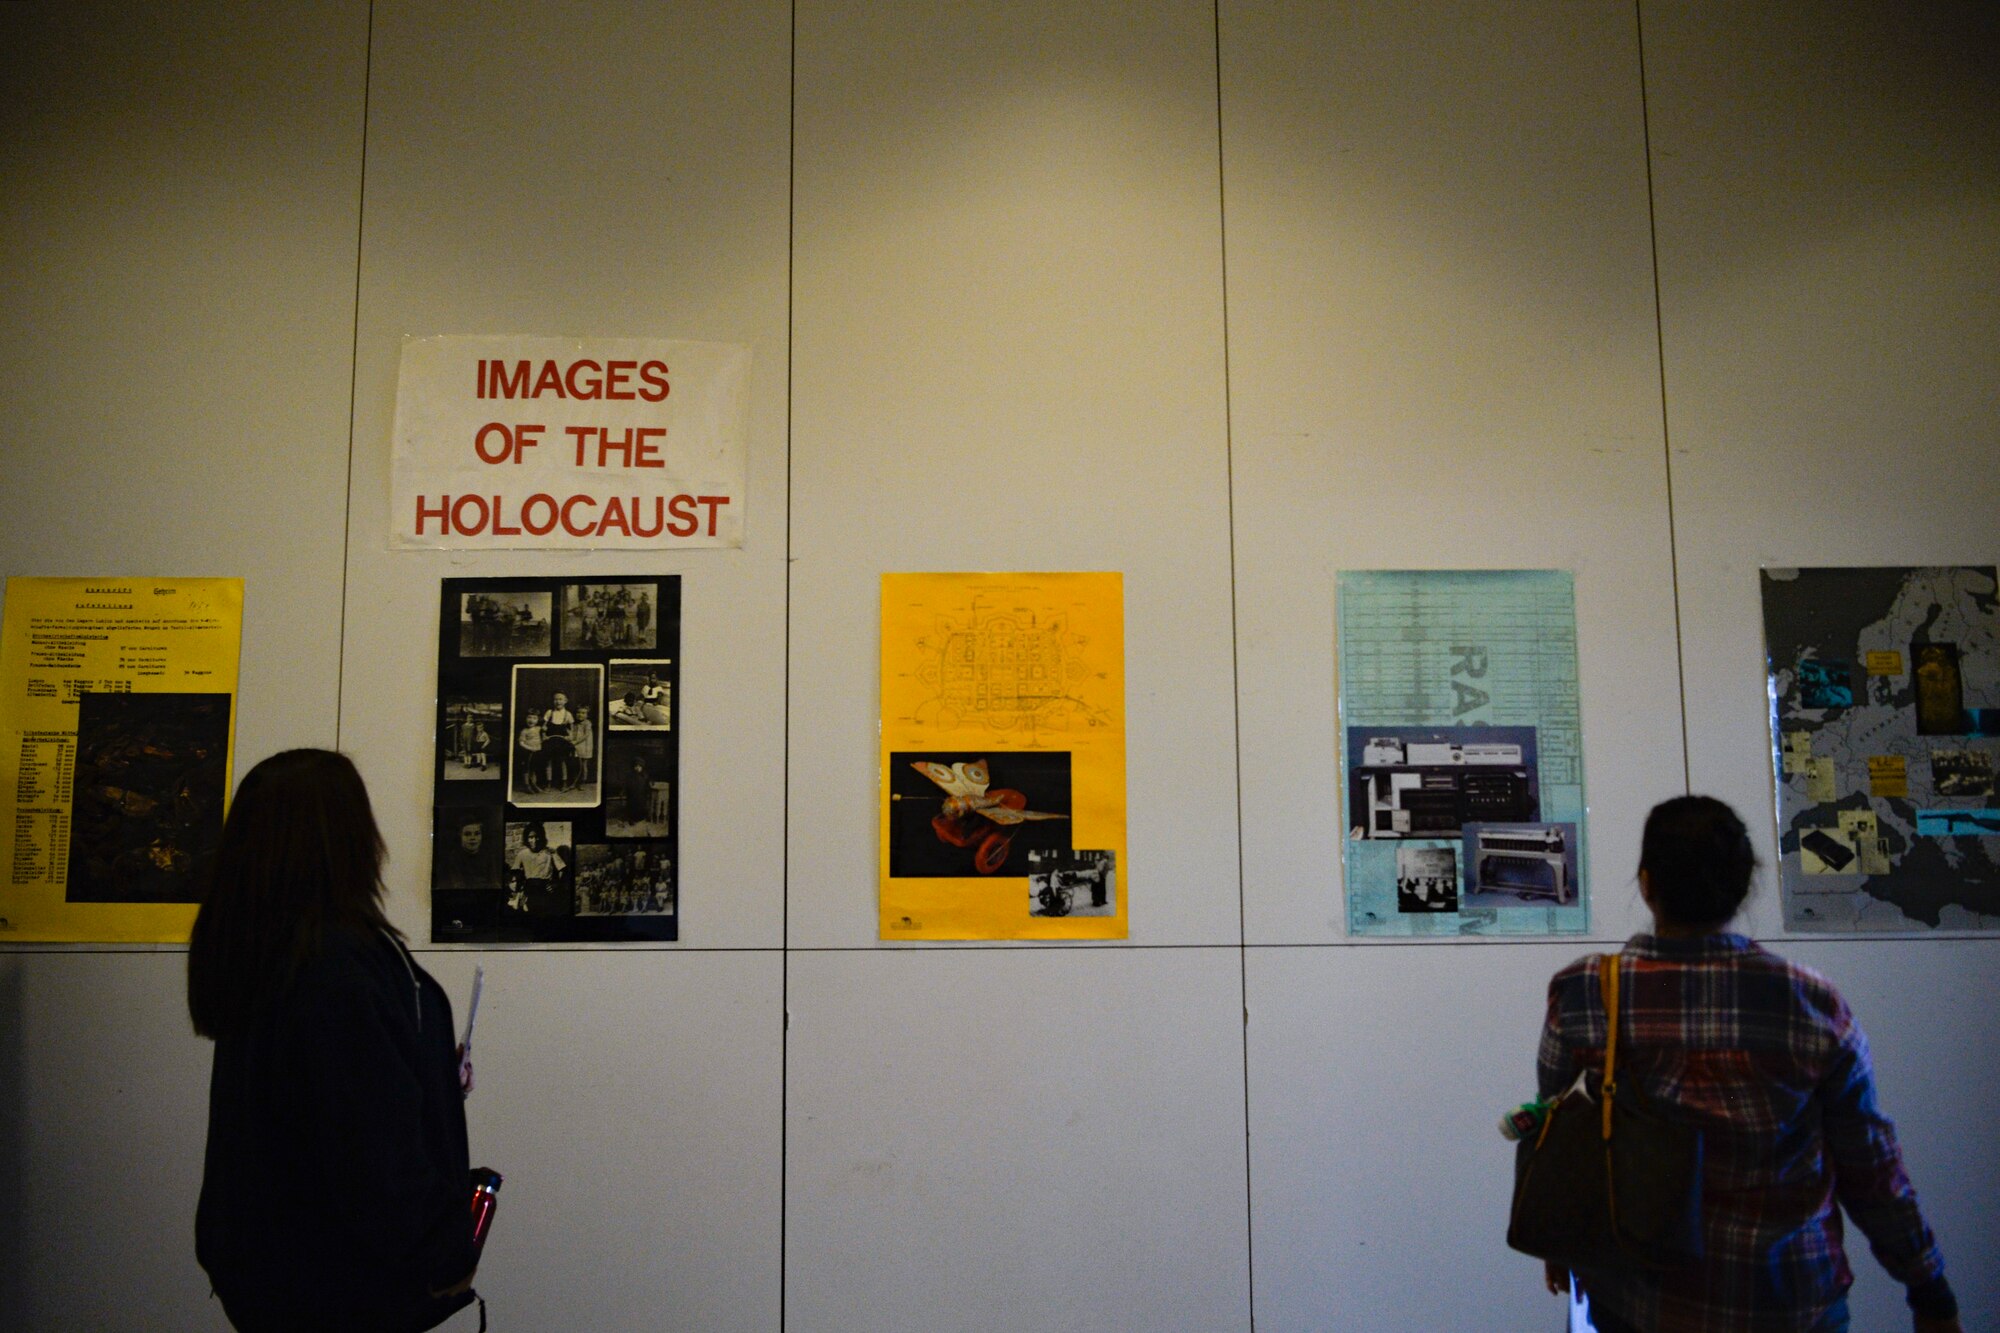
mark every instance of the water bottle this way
{"type": "Point", "coordinates": [1525, 1120]}
{"type": "Point", "coordinates": [485, 1200]}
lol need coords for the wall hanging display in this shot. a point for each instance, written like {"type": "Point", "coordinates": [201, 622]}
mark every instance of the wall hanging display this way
{"type": "Point", "coordinates": [557, 780]}
{"type": "Point", "coordinates": [569, 443]}
{"type": "Point", "coordinates": [1885, 735]}
{"type": "Point", "coordinates": [118, 697]}
{"type": "Point", "coordinates": [1003, 757]}
{"type": "Point", "coordinates": [1461, 753]}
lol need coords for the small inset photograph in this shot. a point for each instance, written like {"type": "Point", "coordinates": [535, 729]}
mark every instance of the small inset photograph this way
{"type": "Point", "coordinates": [540, 869]}
{"type": "Point", "coordinates": [146, 796]}
{"type": "Point", "coordinates": [1426, 878]}
{"type": "Point", "coordinates": [961, 814]}
{"type": "Point", "coordinates": [473, 739]}
{"type": "Point", "coordinates": [639, 695]}
{"type": "Point", "coordinates": [1864, 831]}
{"type": "Point", "coordinates": [1515, 865]}
{"type": "Point", "coordinates": [468, 881]}
{"type": "Point", "coordinates": [638, 787]}
{"type": "Point", "coordinates": [1825, 683]}
{"type": "Point", "coordinates": [503, 624]}
{"type": "Point", "coordinates": [1072, 883]}
{"type": "Point", "coordinates": [544, 768]}
{"type": "Point", "coordinates": [1958, 823]}
{"type": "Point", "coordinates": [1940, 689]}
{"type": "Point", "coordinates": [609, 616]}
{"type": "Point", "coordinates": [465, 849]}
{"type": "Point", "coordinates": [635, 879]}
{"type": "Point", "coordinates": [1961, 772]}
{"type": "Point", "coordinates": [1426, 783]}
{"type": "Point", "coordinates": [1828, 851]}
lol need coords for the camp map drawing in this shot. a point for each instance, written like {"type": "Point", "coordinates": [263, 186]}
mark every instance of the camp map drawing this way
{"type": "Point", "coordinates": [1885, 735]}
{"type": "Point", "coordinates": [1462, 753]}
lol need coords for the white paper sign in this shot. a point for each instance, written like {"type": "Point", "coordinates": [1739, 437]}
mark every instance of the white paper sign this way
{"type": "Point", "coordinates": [569, 443]}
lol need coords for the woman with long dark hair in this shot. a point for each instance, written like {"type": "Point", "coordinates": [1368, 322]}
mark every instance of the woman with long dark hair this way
{"type": "Point", "coordinates": [335, 1191]}
{"type": "Point", "coordinates": [1766, 1059]}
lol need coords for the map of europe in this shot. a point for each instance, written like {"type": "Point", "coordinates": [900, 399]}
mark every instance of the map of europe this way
{"type": "Point", "coordinates": [1885, 729]}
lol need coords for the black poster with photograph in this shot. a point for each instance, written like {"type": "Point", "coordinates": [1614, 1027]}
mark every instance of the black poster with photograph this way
{"type": "Point", "coordinates": [557, 784]}
{"type": "Point", "coordinates": [963, 815]}
{"type": "Point", "coordinates": [146, 796]}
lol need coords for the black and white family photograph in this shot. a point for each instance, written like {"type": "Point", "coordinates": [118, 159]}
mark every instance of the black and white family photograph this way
{"type": "Point", "coordinates": [635, 880]}
{"type": "Point", "coordinates": [504, 624]}
{"type": "Point", "coordinates": [1071, 883]}
{"type": "Point", "coordinates": [467, 846]}
{"type": "Point", "coordinates": [469, 877]}
{"type": "Point", "coordinates": [608, 615]}
{"type": "Point", "coordinates": [554, 761]}
{"type": "Point", "coordinates": [640, 696]}
{"type": "Point", "coordinates": [638, 788]}
{"type": "Point", "coordinates": [472, 744]}
{"type": "Point", "coordinates": [540, 870]}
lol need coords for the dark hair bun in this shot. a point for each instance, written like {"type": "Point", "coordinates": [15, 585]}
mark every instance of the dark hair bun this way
{"type": "Point", "coordinates": [1698, 860]}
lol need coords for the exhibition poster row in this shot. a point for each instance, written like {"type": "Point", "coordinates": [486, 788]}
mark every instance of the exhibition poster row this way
{"type": "Point", "coordinates": [1002, 765]}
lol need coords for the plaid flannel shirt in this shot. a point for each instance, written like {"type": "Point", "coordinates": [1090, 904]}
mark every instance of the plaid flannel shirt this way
{"type": "Point", "coordinates": [1767, 1059]}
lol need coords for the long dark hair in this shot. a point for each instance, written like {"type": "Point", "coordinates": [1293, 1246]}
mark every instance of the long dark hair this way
{"type": "Point", "coordinates": [300, 854]}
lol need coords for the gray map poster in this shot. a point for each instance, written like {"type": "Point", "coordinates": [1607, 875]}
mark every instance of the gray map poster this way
{"type": "Point", "coordinates": [1462, 753]}
{"type": "Point", "coordinates": [1885, 736]}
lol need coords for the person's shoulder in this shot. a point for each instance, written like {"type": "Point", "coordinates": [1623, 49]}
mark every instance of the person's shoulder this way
{"type": "Point", "coordinates": [1756, 958]}
{"type": "Point", "coordinates": [1574, 974]}
{"type": "Point", "coordinates": [350, 948]}
{"type": "Point", "coordinates": [351, 961]}
{"type": "Point", "coordinates": [1803, 989]}
{"type": "Point", "coordinates": [1584, 966]}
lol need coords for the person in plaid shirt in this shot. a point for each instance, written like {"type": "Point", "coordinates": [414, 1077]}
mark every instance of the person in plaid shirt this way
{"type": "Point", "coordinates": [1768, 1060]}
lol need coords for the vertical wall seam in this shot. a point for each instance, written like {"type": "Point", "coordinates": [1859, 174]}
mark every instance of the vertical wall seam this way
{"type": "Point", "coordinates": [1235, 678]}
{"type": "Point", "coordinates": [785, 775]}
{"type": "Point", "coordinates": [1660, 358]}
{"type": "Point", "coordinates": [353, 376]}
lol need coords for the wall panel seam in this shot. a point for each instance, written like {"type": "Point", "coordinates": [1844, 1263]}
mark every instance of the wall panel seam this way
{"type": "Point", "coordinates": [354, 374]}
{"type": "Point", "coordinates": [1660, 362]}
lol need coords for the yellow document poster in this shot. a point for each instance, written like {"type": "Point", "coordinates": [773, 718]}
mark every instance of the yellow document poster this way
{"type": "Point", "coordinates": [1003, 757]}
{"type": "Point", "coordinates": [117, 723]}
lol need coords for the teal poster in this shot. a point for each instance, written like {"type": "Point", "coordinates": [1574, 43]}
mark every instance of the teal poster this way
{"type": "Point", "coordinates": [1461, 760]}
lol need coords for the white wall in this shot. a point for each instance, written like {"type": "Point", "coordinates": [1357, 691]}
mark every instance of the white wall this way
{"type": "Point", "coordinates": [1227, 300]}
{"type": "Point", "coordinates": [179, 194]}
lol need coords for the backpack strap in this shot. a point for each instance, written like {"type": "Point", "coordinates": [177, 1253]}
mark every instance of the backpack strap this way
{"type": "Point", "coordinates": [1607, 980]}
